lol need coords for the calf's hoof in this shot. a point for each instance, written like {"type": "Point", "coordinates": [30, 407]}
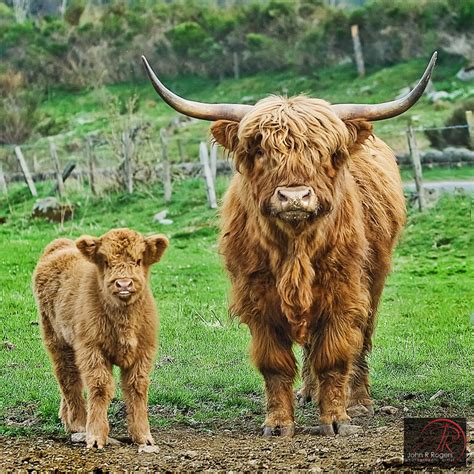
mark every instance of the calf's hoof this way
{"type": "Point", "coordinates": [95, 441]}
{"type": "Point", "coordinates": [283, 431]}
{"type": "Point", "coordinates": [143, 439]}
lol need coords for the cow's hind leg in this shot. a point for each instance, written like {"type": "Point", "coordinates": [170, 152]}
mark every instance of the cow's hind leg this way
{"type": "Point", "coordinates": [272, 354]}
{"type": "Point", "coordinates": [72, 411]}
{"type": "Point", "coordinates": [360, 401]}
{"type": "Point", "coordinates": [309, 390]}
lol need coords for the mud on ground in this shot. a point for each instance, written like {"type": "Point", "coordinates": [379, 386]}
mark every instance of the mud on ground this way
{"type": "Point", "coordinates": [231, 447]}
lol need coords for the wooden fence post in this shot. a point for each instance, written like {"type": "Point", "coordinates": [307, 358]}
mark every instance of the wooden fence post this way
{"type": "Point", "coordinates": [127, 164]}
{"type": "Point", "coordinates": [204, 158]}
{"type": "Point", "coordinates": [3, 183]}
{"type": "Point", "coordinates": [470, 125]}
{"type": "Point", "coordinates": [358, 50]}
{"type": "Point", "coordinates": [235, 58]}
{"type": "Point", "coordinates": [91, 162]}
{"type": "Point", "coordinates": [214, 161]}
{"type": "Point", "coordinates": [415, 158]}
{"type": "Point", "coordinates": [57, 169]}
{"type": "Point", "coordinates": [26, 171]}
{"type": "Point", "coordinates": [180, 150]}
{"type": "Point", "coordinates": [166, 165]}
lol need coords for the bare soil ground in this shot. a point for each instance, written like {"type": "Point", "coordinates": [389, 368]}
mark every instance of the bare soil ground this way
{"type": "Point", "coordinates": [218, 447]}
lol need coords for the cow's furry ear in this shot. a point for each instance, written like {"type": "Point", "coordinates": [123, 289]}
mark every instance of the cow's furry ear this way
{"type": "Point", "coordinates": [155, 247]}
{"type": "Point", "coordinates": [225, 133]}
{"type": "Point", "coordinates": [360, 130]}
{"type": "Point", "coordinates": [88, 246]}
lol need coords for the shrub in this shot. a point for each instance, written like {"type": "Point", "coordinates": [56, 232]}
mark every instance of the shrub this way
{"type": "Point", "coordinates": [454, 136]}
{"type": "Point", "coordinates": [74, 12]}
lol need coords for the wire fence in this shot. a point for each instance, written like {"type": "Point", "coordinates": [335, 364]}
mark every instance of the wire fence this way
{"type": "Point", "coordinates": [133, 153]}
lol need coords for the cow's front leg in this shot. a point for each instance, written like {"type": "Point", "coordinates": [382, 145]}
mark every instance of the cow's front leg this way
{"type": "Point", "coordinates": [332, 352]}
{"type": "Point", "coordinates": [273, 356]}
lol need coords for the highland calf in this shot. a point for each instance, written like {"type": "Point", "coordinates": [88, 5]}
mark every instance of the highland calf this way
{"type": "Point", "coordinates": [309, 224]}
{"type": "Point", "coordinates": [97, 310]}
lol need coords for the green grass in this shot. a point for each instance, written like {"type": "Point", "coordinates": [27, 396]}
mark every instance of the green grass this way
{"type": "Point", "coordinates": [464, 173]}
{"type": "Point", "coordinates": [423, 341]}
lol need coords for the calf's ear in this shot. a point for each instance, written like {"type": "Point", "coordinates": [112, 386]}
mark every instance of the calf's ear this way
{"type": "Point", "coordinates": [225, 133]}
{"type": "Point", "coordinates": [155, 247]}
{"type": "Point", "coordinates": [88, 246]}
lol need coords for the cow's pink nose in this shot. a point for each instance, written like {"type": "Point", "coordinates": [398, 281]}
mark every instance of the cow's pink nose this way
{"type": "Point", "coordinates": [124, 284]}
{"type": "Point", "coordinates": [296, 194]}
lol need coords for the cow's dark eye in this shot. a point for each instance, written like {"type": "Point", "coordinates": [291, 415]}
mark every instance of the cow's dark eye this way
{"type": "Point", "coordinates": [258, 152]}
{"type": "Point", "coordinates": [139, 262]}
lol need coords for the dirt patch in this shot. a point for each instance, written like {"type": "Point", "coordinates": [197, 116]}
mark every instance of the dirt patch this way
{"type": "Point", "coordinates": [378, 446]}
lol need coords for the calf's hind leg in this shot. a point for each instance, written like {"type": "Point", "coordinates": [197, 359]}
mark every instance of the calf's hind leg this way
{"type": "Point", "coordinates": [73, 409]}
{"type": "Point", "coordinates": [272, 354]}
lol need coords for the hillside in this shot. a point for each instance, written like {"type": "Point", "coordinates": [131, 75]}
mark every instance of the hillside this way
{"type": "Point", "coordinates": [92, 111]}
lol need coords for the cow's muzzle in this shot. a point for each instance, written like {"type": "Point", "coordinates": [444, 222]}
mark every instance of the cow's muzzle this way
{"type": "Point", "coordinates": [294, 204]}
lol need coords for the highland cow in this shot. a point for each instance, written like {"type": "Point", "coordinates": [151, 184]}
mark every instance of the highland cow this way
{"type": "Point", "coordinates": [309, 224]}
{"type": "Point", "coordinates": [97, 310]}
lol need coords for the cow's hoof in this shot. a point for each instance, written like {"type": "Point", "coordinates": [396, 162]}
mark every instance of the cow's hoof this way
{"type": "Point", "coordinates": [282, 431]}
{"type": "Point", "coordinates": [341, 428]}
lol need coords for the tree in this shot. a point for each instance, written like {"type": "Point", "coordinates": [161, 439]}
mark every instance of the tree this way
{"type": "Point", "coordinates": [22, 9]}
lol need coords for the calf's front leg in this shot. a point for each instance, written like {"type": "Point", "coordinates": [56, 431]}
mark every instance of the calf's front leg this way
{"type": "Point", "coordinates": [97, 373]}
{"type": "Point", "coordinates": [135, 381]}
{"type": "Point", "coordinates": [272, 353]}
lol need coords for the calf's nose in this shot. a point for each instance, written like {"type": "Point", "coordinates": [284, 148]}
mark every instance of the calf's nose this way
{"type": "Point", "coordinates": [124, 284]}
{"type": "Point", "coordinates": [300, 195]}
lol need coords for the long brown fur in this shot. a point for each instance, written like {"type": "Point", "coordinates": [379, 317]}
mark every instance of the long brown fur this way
{"type": "Point", "coordinates": [87, 327]}
{"type": "Point", "coordinates": [318, 283]}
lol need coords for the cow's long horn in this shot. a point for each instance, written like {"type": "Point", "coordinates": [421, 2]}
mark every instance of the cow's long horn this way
{"type": "Point", "coordinates": [387, 109]}
{"type": "Point", "coordinates": [199, 110]}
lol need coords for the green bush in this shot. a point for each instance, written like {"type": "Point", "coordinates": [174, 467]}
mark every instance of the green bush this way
{"type": "Point", "coordinates": [74, 12]}
{"type": "Point", "coordinates": [455, 136]}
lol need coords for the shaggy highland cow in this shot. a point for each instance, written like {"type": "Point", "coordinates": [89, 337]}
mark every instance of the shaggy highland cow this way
{"type": "Point", "coordinates": [309, 224]}
{"type": "Point", "coordinates": [97, 310]}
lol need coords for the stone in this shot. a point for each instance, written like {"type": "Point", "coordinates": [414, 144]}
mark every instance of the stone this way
{"type": "Point", "coordinates": [466, 74]}
{"type": "Point", "coordinates": [148, 449]}
{"type": "Point", "coordinates": [388, 410]}
{"type": "Point", "coordinates": [160, 215]}
{"type": "Point", "coordinates": [50, 208]}
{"type": "Point", "coordinates": [357, 410]}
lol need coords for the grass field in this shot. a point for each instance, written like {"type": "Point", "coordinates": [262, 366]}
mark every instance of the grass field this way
{"type": "Point", "coordinates": [423, 341]}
